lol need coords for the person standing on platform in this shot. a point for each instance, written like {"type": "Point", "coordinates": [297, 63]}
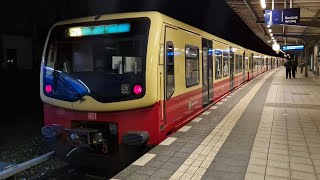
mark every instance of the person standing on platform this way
{"type": "Point", "coordinates": [302, 65]}
{"type": "Point", "coordinates": [288, 66]}
{"type": "Point", "coordinates": [294, 68]}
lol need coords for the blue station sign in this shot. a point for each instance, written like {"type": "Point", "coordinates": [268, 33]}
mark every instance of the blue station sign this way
{"type": "Point", "coordinates": [282, 16]}
{"type": "Point", "coordinates": [273, 17]}
{"type": "Point", "coordinates": [293, 47]}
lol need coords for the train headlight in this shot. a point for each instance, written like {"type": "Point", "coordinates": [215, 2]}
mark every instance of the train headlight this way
{"type": "Point", "coordinates": [137, 89]}
{"type": "Point", "coordinates": [48, 88]}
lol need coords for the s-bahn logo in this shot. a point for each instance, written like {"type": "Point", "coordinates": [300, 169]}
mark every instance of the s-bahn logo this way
{"type": "Point", "coordinates": [125, 89]}
{"type": "Point", "coordinates": [189, 105]}
{"type": "Point", "coordinates": [192, 103]}
{"type": "Point", "coordinates": [92, 116]}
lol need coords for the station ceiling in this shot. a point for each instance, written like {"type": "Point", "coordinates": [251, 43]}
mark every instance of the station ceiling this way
{"type": "Point", "coordinates": [306, 32]}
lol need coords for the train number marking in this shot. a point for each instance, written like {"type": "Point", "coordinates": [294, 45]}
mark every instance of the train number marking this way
{"type": "Point", "coordinates": [125, 89]}
{"type": "Point", "coordinates": [92, 116]}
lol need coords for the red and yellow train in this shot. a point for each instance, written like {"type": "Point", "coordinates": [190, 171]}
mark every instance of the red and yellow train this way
{"type": "Point", "coordinates": [132, 79]}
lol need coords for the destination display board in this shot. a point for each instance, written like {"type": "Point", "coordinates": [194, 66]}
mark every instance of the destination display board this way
{"type": "Point", "coordinates": [282, 16]}
{"type": "Point", "coordinates": [293, 47]}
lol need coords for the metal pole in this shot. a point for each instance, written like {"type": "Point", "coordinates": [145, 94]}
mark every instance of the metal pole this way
{"type": "Point", "coordinates": [306, 62]}
{"type": "Point", "coordinates": [290, 3]}
{"type": "Point", "coordinates": [316, 61]}
{"type": "Point", "coordinates": [300, 60]}
{"type": "Point", "coordinates": [272, 4]}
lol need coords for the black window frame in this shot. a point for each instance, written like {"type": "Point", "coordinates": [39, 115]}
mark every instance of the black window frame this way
{"type": "Point", "coordinates": [228, 63]}
{"type": "Point", "coordinates": [167, 64]}
{"type": "Point", "coordinates": [216, 65]}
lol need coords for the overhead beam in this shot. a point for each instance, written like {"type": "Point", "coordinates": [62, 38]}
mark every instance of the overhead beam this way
{"type": "Point", "coordinates": [295, 35]}
{"type": "Point", "coordinates": [254, 14]}
{"type": "Point", "coordinates": [276, 2]}
{"type": "Point", "coordinates": [315, 24]}
{"type": "Point", "coordinates": [249, 6]}
{"type": "Point", "coordinates": [316, 16]}
{"type": "Point", "coordinates": [313, 20]}
{"type": "Point", "coordinates": [311, 23]}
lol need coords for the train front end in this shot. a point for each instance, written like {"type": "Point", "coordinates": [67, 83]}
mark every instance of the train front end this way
{"type": "Point", "coordinates": [98, 84]}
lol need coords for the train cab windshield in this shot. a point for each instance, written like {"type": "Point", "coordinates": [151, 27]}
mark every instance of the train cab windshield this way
{"type": "Point", "coordinates": [105, 60]}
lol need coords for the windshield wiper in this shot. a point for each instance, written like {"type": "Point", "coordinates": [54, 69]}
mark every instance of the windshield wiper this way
{"type": "Point", "coordinates": [58, 76]}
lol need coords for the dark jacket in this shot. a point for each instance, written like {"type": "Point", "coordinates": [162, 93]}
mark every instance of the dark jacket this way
{"type": "Point", "coordinates": [294, 65]}
{"type": "Point", "coordinates": [288, 64]}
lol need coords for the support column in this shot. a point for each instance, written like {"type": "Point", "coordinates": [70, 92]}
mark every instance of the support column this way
{"type": "Point", "coordinates": [272, 4]}
{"type": "Point", "coordinates": [306, 61]}
{"type": "Point", "coordinates": [315, 59]}
{"type": "Point", "coordinates": [300, 61]}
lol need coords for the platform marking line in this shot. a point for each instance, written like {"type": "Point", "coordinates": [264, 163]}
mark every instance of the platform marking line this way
{"type": "Point", "coordinates": [219, 103]}
{"type": "Point", "coordinates": [197, 119]}
{"type": "Point", "coordinates": [206, 113]}
{"type": "Point", "coordinates": [184, 128]}
{"type": "Point", "coordinates": [224, 100]}
{"type": "Point", "coordinates": [214, 107]}
{"type": "Point", "coordinates": [229, 96]}
{"type": "Point", "coordinates": [168, 141]}
{"type": "Point", "coordinates": [198, 162]}
{"type": "Point", "coordinates": [144, 159]}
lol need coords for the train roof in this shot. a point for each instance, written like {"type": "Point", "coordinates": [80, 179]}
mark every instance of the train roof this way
{"type": "Point", "coordinates": [154, 15]}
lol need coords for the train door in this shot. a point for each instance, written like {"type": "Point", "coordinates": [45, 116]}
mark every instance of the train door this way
{"type": "Point", "coordinates": [243, 66]}
{"type": "Point", "coordinates": [231, 69]}
{"type": "Point", "coordinates": [252, 64]}
{"type": "Point", "coordinates": [207, 77]}
{"type": "Point", "coordinates": [169, 75]}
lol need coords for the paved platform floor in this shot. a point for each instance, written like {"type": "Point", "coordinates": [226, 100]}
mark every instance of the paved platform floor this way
{"type": "Point", "coordinates": [267, 129]}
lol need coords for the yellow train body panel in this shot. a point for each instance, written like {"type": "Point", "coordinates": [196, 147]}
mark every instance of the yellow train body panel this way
{"type": "Point", "coordinates": [182, 34]}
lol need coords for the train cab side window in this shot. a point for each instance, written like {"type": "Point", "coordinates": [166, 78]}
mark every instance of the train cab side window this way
{"type": "Point", "coordinates": [192, 65]}
{"type": "Point", "coordinates": [169, 69]}
{"type": "Point", "coordinates": [218, 63]}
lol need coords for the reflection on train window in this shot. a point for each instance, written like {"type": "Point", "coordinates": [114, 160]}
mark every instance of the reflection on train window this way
{"type": "Point", "coordinates": [238, 63]}
{"type": "Point", "coordinates": [104, 62]}
{"type": "Point", "coordinates": [225, 63]}
{"type": "Point", "coordinates": [192, 65]}
{"type": "Point", "coordinates": [169, 69]}
{"type": "Point", "coordinates": [246, 63]}
{"type": "Point", "coordinates": [218, 65]}
{"type": "Point", "coordinates": [255, 63]}
{"type": "Point", "coordinates": [100, 56]}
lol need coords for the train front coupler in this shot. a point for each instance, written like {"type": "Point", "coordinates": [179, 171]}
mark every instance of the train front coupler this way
{"type": "Point", "coordinates": [68, 141]}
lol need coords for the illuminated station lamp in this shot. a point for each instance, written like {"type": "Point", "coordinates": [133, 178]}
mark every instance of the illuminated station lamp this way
{"type": "Point", "coordinates": [98, 30]}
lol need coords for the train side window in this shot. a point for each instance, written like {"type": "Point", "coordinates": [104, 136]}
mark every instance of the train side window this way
{"type": "Point", "coordinates": [240, 63]}
{"type": "Point", "coordinates": [192, 65]}
{"type": "Point", "coordinates": [218, 63]}
{"type": "Point", "coordinates": [246, 63]}
{"type": "Point", "coordinates": [237, 63]}
{"type": "Point", "coordinates": [225, 63]}
{"type": "Point", "coordinates": [169, 69]}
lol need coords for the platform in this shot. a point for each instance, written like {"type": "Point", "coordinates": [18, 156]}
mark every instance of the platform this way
{"type": "Point", "coordinates": [267, 129]}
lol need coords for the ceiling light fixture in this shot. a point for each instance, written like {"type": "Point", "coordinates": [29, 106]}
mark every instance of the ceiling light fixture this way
{"type": "Point", "coordinates": [263, 4]}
